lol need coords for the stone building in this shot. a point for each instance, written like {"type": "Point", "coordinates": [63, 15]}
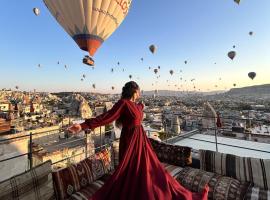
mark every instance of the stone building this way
{"type": "Point", "coordinates": [209, 116]}
{"type": "Point", "coordinates": [64, 152]}
{"type": "Point", "coordinates": [176, 125]}
{"type": "Point", "coordinates": [78, 106]}
{"type": "Point", "coordinates": [85, 110]}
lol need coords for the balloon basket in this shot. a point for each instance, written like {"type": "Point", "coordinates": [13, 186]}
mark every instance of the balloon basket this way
{"type": "Point", "coordinates": [88, 61]}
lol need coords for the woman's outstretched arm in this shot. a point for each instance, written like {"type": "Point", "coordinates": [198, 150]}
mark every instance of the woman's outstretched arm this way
{"type": "Point", "coordinates": [104, 118]}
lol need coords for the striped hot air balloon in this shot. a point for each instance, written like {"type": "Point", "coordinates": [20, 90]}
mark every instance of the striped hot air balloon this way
{"type": "Point", "coordinates": [89, 22]}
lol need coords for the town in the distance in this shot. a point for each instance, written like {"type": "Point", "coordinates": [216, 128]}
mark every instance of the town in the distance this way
{"type": "Point", "coordinates": [238, 120]}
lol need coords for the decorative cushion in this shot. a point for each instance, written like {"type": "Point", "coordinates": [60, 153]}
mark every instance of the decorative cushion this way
{"type": "Point", "coordinates": [255, 193]}
{"type": "Point", "coordinates": [194, 179]}
{"type": "Point", "coordinates": [172, 154]}
{"type": "Point", "coordinates": [97, 166]}
{"type": "Point", "coordinates": [32, 184]}
{"type": "Point", "coordinates": [72, 179]}
{"type": "Point", "coordinates": [106, 156]}
{"type": "Point", "coordinates": [87, 192]}
{"type": "Point", "coordinates": [220, 187]}
{"type": "Point", "coordinates": [253, 170]}
{"type": "Point", "coordinates": [172, 169]}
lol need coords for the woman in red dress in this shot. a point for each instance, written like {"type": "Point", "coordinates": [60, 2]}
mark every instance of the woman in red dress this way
{"type": "Point", "coordinates": [139, 175]}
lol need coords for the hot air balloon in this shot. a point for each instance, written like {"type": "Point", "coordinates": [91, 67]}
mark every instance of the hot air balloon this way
{"type": "Point", "coordinates": [17, 87]}
{"type": "Point", "coordinates": [36, 11]}
{"type": "Point", "coordinates": [234, 84]}
{"type": "Point", "coordinates": [142, 59]}
{"type": "Point", "coordinates": [123, 69]}
{"type": "Point", "coordinates": [58, 62]}
{"type": "Point", "coordinates": [237, 1]}
{"type": "Point", "coordinates": [250, 33]}
{"type": "Point", "coordinates": [232, 54]}
{"type": "Point", "coordinates": [149, 68]}
{"type": "Point", "coordinates": [156, 91]}
{"type": "Point", "coordinates": [39, 65]}
{"type": "Point", "coordinates": [66, 66]}
{"type": "Point", "coordinates": [152, 48]}
{"type": "Point", "coordinates": [118, 63]}
{"type": "Point", "coordinates": [158, 67]}
{"type": "Point", "coordinates": [156, 71]}
{"type": "Point", "coordinates": [171, 72]}
{"type": "Point", "coordinates": [233, 46]}
{"type": "Point", "coordinates": [112, 88]}
{"type": "Point", "coordinates": [185, 62]}
{"type": "Point", "coordinates": [192, 79]}
{"type": "Point", "coordinates": [89, 23]}
{"type": "Point", "coordinates": [252, 75]}
{"type": "Point", "coordinates": [84, 75]}
{"type": "Point", "coordinates": [94, 86]}
{"type": "Point", "coordinates": [112, 70]}
{"type": "Point", "coordinates": [130, 76]}
{"type": "Point", "coordinates": [81, 79]}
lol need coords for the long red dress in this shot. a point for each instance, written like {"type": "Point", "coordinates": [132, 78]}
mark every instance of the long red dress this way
{"type": "Point", "coordinates": [139, 175]}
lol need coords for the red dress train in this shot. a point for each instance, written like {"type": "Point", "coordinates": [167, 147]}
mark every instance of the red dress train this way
{"type": "Point", "coordinates": [139, 175]}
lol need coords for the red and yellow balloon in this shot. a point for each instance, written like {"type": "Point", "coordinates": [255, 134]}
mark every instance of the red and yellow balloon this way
{"type": "Point", "coordinates": [89, 22]}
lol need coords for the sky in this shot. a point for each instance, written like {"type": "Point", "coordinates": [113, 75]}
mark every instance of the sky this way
{"type": "Point", "coordinates": [201, 32]}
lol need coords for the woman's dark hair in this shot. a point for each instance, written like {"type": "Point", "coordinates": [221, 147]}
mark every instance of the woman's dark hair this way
{"type": "Point", "coordinates": [127, 92]}
{"type": "Point", "coordinates": [129, 89]}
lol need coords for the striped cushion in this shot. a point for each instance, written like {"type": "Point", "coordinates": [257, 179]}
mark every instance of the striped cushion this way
{"type": "Point", "coordinates": [33, 184]}
{"type": "Point", "coordinates": [172, 154]}
{"type": "Point", "coordinates": [254, 170]}
{"type": "Point", "coordinates": [72, 179]}
{"type": "Point", "coordinates": [255, 193]}
{"type": "Point", "coordinates": [87, 192]}
{"type": "Point", "coordinates": [220, 187]}
{"type": "Point", "coordinates": [172, 169]}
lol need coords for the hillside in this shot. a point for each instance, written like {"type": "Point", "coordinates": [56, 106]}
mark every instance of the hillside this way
{"type": "Point", "coordinates": [251, 90]}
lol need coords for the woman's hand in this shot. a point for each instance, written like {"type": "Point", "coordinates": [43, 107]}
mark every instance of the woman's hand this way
{"type": "Point", "coordinates": [76, 128]}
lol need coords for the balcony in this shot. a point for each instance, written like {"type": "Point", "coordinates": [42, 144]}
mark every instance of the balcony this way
{"type": "Point", "coordinates": [21, 152]}
{"type": "Point", "coordinates": [26, 147]}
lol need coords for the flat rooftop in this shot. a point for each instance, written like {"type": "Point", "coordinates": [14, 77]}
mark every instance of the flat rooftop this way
{"type": "Point", "coordinates": [227, 145]}
{"type": "Point", "coordinates": [63, 144]}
